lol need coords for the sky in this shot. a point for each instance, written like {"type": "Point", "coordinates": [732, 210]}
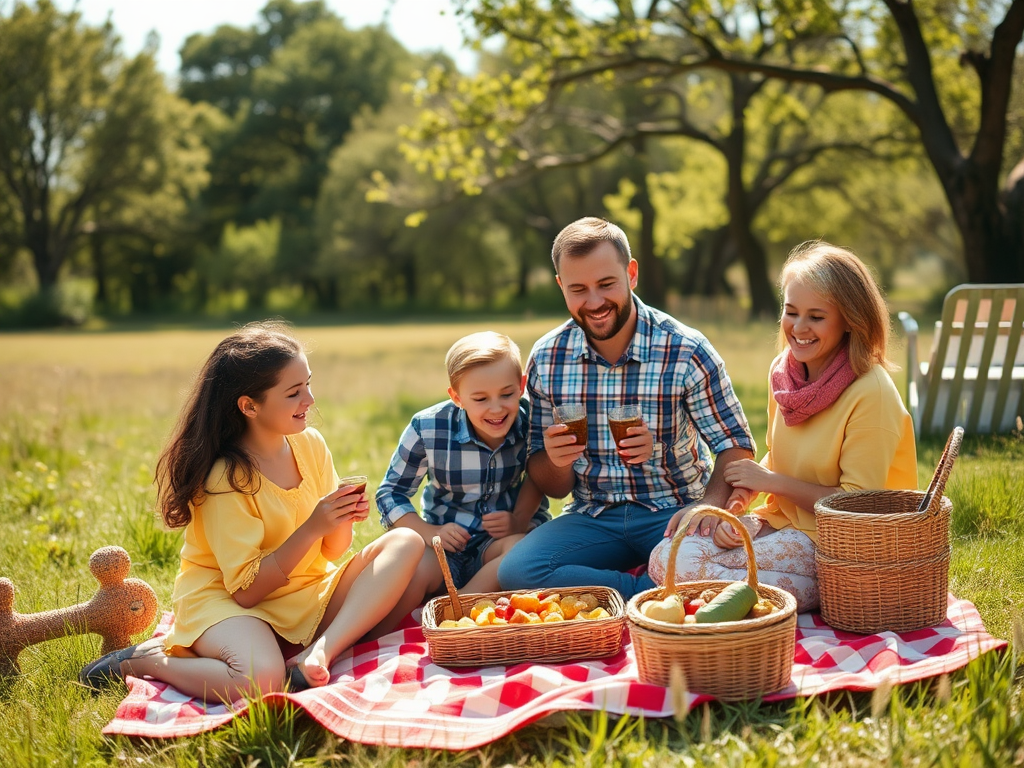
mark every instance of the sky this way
{"type": "Point", "coordinates": [419, 25]}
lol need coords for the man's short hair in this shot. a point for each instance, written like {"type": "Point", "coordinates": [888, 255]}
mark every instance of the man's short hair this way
{"type": "Point", "coordinates": [583, 235]}
{"type": "Point", "coordinates": [480, 349]}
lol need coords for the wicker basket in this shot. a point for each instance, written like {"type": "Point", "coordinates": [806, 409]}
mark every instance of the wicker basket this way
{"type": "Point", "coordinates": [515, 643]}
{"type": "Point", "coordinates": [883, 556]}
{"type": "Point", "coordinates": [730, 660]}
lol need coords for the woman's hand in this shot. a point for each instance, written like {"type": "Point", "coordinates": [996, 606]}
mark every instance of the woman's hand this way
{"type": "Point", "coordinates": [748, 474]}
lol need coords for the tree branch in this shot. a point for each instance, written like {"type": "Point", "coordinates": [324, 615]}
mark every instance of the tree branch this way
{"type": "Point", "coordinates": [997, 77]}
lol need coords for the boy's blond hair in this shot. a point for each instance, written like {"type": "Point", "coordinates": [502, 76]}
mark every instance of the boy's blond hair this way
{"type": "Point", "coordinates": [480, 349]}
{"type": "Point", "coordinates": [842, 279]}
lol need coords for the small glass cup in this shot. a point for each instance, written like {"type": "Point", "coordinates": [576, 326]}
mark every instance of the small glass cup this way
{"type": "Point", "coordinates": [574, 416]}
{"type": "Point", "coordinates": [359, 481]}
{"type": "Point", "coordinates": [621, 418]}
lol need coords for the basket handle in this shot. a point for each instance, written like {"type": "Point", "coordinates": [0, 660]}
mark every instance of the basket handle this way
{"type": "Point", "coordinates": [680, 534]}
{"type": "Point", "coordinates": [932, 500]}
{"type": "Point", "coordinates": [453, 594]}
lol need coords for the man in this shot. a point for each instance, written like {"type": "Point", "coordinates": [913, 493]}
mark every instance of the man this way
{"type": "Point", "coordinates": [616, 351]}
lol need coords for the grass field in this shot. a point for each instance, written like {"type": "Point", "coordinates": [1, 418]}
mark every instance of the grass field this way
{"type": "Point", "coordinates": [84, 415]}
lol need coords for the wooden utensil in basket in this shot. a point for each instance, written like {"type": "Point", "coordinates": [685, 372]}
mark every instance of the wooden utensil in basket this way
{"type": "Point", "coordinates": [730, 660]}
{"type": "Point", "coordinates": [515, 643]}
{"type": "Point", "coordinates": [453, 594]}
{"type": "Point", "coordinates": [883, 556]}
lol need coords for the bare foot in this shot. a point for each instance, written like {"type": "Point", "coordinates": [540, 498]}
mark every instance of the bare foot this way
{"type": "Point", "coordinates": [313, 663]}
{"type": "Point", "coordinates": [152, 647]}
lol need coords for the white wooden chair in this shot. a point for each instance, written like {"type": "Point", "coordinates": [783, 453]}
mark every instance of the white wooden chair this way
{"type": "Point", "coordinates": [974, 376]}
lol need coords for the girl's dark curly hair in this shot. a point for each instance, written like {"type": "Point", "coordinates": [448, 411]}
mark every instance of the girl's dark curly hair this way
{"type": "Point", "coordinates": [210, 427]}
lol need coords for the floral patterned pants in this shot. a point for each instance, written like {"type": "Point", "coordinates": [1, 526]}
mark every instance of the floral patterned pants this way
{"type": "Point", "coordinates": [785, 559]}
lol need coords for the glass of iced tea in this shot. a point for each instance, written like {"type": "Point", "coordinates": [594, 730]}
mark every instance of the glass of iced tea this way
{"type": "Point", "coordinates": [574, 416]}
{"type": "Point", "coordinates": [620, 419]}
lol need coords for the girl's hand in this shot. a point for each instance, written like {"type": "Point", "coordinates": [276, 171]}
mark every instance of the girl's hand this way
{"type": "Point", "coordinates": [638, 447]}
{"type": "Point", "coordinates": [748, 474]}
{"type": "Point", "coordinates": [337, 507]}
{"type": "Point", "coordinates": [454, 537]}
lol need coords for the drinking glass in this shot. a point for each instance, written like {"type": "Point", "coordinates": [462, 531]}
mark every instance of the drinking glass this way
{"type": "Point", "coordinates": [574, 416]}
{"type": "Point", "coordinates": [620, 419]}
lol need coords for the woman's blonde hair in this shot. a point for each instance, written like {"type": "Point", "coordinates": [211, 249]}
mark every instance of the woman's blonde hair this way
{"type": "Point", "coordinates": [480, 349]}
{"type": "Point", "coordinates": [840, 278]}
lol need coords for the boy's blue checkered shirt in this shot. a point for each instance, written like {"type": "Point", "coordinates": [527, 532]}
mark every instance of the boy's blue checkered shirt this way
{"type": "Point", "coordinates": [465, 478]}
{"type": "Point", "coordinates": [684, 393]}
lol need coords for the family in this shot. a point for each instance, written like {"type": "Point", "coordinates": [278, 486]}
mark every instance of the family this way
{"type": "Point", "coordinates": [260, 601]}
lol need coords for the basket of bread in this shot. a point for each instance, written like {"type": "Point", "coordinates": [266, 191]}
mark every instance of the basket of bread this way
{"type": "Point", "coordinates": [473, 630]}
{"type": "Point", "coordinates": [731, 640]}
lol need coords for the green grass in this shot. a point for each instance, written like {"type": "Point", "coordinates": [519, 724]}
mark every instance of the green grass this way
{"type": "Point", "coordinates": [84, 415]}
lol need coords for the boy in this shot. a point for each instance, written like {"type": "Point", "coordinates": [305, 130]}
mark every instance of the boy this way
{"type": "Point", "coordinates": [472, 448]}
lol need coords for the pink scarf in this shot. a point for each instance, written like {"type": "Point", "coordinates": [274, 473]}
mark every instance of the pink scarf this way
{"type": "Point", "coordinates": [800, 399]}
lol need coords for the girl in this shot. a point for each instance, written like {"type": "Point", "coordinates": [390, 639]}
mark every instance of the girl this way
{"type": "Point", "coordinates": [835, 423]}
{"type": "Point", "coordinates": [264, 517]}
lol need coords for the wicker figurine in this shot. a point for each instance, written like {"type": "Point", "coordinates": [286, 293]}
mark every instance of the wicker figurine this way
{"type": "Point", "coordinates": [121, 607]}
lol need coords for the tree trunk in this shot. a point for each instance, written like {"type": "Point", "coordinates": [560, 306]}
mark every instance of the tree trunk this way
{"type": "Point", "coordinates": [652, 273]}
{"type": "Point", "coordinates": [992, 250]}
{"type": "Point", "coordinates": [741, 212]}
{"type": "Point", "coordinates": [99, 267]}
{"type": "Point", "coordinates": [1013, 204]}
{"type": "Point", "coordinates": [410, 277]}
{"type": "Point", "coordinates": [710, 256]}
{"type": "Point", "coordinates": [45, 257]}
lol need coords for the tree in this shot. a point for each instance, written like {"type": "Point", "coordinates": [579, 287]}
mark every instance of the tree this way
{"type": "Point", "coordinates": [483, 130]}
{"type": "Point", "coordinates": [219, 68]}
{"type": "Point", "coordinates": [389, 255]}
{"type": "Point", "coordinates": [913, 56]}
{"type": "Point", "coordinates": [291, 85]}
{"type": "Point", "coordinates": [81, 128]}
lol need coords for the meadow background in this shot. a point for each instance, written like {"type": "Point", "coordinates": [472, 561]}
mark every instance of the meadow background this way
{"type": "Point", "coordinates": [83, 416]}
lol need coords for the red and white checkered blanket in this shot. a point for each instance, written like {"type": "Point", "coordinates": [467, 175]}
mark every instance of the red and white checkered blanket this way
{"type": "Point", "coordinates": [390, 692]}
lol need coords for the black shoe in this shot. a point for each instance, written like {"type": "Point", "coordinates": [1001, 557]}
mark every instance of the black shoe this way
{"type": "Point", "coordinates": [106, 670]}
{"type": "Point", "coordinates": [296, 680]}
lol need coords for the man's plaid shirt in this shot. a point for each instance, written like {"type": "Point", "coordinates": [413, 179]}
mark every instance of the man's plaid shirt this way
{"type": "Point", "coordinates": [466, 478]}
{"type": "Point", "coordinates": [684, 393]}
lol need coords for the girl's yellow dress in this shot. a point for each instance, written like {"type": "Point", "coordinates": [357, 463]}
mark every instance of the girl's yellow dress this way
{"type": "Point", "coordinates": [230, 534]}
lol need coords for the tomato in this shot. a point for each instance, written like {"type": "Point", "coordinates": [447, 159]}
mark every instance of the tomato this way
{"type": "Point", "coordinates": [693, 605]}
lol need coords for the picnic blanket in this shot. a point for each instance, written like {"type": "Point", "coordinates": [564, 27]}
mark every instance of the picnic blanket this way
{"type": "Point", "coordinates": [389, 692]}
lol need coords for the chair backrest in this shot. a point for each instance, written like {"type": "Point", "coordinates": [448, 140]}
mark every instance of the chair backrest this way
{"type": "Point", "coordinates": [975, 375]}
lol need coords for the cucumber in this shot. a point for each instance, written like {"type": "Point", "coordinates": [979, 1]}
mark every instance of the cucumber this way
{"type": "Point", "coordinates": [731, 604]}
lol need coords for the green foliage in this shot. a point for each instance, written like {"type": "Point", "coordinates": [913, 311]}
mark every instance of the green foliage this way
{"type": "Point", "coordinates": [245, 260]}
{"type": "Point", "coordinates": [91, 135]}
{"type": "Point", "coordinates": [291, 87]}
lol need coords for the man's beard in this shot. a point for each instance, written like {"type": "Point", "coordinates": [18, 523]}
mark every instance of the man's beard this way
{"type": "Point", "coordinates": [621, 317]}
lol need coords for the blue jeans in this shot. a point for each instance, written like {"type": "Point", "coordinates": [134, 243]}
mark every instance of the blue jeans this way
{"type": "Point", "coordinates": [579, 550]}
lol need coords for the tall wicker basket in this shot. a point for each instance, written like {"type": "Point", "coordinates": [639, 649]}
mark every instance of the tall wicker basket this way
{"type": "Point", "coordinates": [731, 660]}
{"type": "Point", "coordinates": [883, 556]}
